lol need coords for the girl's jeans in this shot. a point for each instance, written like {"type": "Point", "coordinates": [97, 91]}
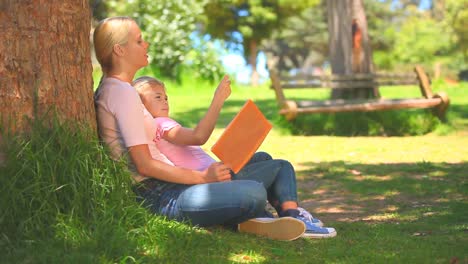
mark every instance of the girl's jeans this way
{"type": "Point", "coordinates": [226, 203]}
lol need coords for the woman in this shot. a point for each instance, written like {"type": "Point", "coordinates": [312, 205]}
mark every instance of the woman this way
{"type": "Point", "coordinates": [207, 197]}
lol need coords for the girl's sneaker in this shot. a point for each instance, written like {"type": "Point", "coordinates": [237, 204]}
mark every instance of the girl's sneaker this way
{"type": "Point", "coordinates": [309, 217]}
{"type": "Point", "coordinates": [285, 228]}
{"type": "Point", "coordinates": [312, 230]}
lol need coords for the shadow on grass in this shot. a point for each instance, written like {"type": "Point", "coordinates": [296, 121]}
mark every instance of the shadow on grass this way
{"type": "Point", "coordinates": [460, 111]}
{"type": "Point", "coordinates": [341, 191]}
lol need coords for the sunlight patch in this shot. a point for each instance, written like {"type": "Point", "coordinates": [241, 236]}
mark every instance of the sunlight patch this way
{"type": "Point", "coordinates": [381, 217]}
{"type": "Point", "coordinates": [250, 257]}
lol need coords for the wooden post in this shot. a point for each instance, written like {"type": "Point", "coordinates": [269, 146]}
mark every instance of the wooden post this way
{"type": "Point", "coordinates": [424, 83]}
{"type": "Point", "coordinates": [441, 109]}
{"type": "Point", "coordinates": [280, 98]}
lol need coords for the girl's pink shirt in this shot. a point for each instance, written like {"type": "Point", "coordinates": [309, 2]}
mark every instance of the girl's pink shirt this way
{"type": "Point", "coordinates": [189, 157]}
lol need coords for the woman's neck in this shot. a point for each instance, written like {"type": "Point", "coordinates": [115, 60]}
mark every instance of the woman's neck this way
{"type": "Point", "coordinates": [122, 77]}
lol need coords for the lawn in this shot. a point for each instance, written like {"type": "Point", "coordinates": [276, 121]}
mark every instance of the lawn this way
{"type": "Point", "coordinates": [391, 199]}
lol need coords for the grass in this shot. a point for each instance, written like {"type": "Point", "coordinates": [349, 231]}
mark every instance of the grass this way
{"type": "Point", "coordinates": [391, 199]}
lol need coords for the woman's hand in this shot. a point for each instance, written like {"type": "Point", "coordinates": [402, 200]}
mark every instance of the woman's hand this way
{"type": "Point", "coordinates": [223, 91]}
{"type": "Point", "coordinates": [217, 172]}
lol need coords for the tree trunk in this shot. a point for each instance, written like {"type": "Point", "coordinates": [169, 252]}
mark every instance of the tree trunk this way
{"type": "Point", "coordinates": [350, 50]}
{"type": "Point", "coordinates": [253, 62]}
{"type": "Point", "coordinates": [45, 63]}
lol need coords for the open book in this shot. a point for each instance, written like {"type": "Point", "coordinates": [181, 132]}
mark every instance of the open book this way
{"type": "Point", "coordinates": [242, 137]}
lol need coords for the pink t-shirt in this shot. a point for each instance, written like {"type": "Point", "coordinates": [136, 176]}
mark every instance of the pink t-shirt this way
{"type": "Point", "coordinates": [124, 122]}
{"type": "Point", "coordinates": [189, 157]}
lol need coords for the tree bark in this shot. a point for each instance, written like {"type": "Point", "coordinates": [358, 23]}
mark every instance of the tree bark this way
{"type": "Point", "coordinates": [254, 78]}
{"type": "Point", "coordinates": [339, 31]}
{"type": "Point", "coordinates": [350, 50]}
{"type": "Point", "coordinates": [45, 63]}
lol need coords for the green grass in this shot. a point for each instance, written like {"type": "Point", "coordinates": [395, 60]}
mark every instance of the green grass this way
{"type": "Point", "coordinates": [391, 199]}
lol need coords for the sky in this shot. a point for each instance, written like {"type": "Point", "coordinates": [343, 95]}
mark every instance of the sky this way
{"type": "Point", "coordinates": [237, 67]}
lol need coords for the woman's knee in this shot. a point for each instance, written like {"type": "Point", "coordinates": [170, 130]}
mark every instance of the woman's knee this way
{"type": "Point", "coordinates": [261, 156]}
{"type": "Point", "coordinates": [286, 164]}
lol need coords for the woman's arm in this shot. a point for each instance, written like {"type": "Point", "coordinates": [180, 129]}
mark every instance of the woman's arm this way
{"type": "Point", "coordinates": [198, 136]}
{"type": "Point", "coordinates": [149, 167]}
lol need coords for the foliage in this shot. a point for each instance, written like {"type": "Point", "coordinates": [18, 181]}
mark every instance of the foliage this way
{"type": "Point", "coordinates": [53, 174]}
{"type": "Point", "coordinates": [168, 27]}
{"type": "Point", "coordinates": [426, 37]}
{"type": "Point", "coordinates": [394, 123]}
{"type": "Point", "coordinates": [456, 17]}
{"type": "Point", "coordinates": [203, 60]}
{"type": "Point", "coordinates": [254, 20]}
{"type": "Point", "coordinates": [415, 41]}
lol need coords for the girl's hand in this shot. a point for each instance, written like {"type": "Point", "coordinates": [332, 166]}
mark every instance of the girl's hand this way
{"type": "Point", "coordinates": [224, 89]}
{"type": "Point", "coordinates": [217, 172]}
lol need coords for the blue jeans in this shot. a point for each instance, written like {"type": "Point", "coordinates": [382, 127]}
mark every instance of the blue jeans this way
{"type": "Point", "coordinates": [226, 203]}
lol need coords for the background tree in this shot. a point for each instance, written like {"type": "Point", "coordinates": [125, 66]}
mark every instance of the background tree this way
{"type": "Point", "coordinates": [350, 49]}
{"type": "Point", "coordinates": [254, 20]}
{"type": "Point", "coordinates": [45, 64]}
{"type": "Point", "coordinates": [302, 43]}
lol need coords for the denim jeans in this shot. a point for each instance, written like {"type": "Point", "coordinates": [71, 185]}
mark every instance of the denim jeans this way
{"type": "Point", "coordinates": [226, 203]}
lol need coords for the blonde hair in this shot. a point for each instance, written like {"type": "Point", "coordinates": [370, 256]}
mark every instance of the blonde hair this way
{"type": "Point", "coordinates": [108, 33]}
{"type": "Point", "coordinates": [144, 84]}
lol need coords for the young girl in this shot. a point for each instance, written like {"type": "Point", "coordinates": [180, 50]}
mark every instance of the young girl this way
{"type": "Point", "coordinates": [179, 144]}
{"type": "Point", "coordinates": [182, 147]}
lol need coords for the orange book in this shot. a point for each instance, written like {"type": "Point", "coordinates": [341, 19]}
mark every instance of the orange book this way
{"type": "Point", "coordinates": [242, 137]}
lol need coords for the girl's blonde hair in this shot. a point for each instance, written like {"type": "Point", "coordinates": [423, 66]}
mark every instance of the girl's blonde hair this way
{"type": "Point", "coordinates": [108, 33]}
{"type": "Point", "coordinates": [144, 84]}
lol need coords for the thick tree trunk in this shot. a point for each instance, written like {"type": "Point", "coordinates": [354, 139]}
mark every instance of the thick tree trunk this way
{"type": "Point", "coordinates": [45, 64]}
{"type": "Point", "coordinates": [339, 29]}
{"type": "Point", "coordinates": [254, 78]}
{"type": "Point", "coordinates": [350, 50]}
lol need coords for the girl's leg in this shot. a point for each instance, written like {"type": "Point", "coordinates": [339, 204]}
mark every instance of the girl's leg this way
{"type": "Point", "coordinates": [277, 176]}
{"type": "Point", "coordinates": [227, 203]}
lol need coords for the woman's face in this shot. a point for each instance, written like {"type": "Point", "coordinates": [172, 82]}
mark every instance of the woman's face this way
{"type": "Point", "coordinates": [136, 48]}
{"type": "Point", "coordinates": [156, 102]}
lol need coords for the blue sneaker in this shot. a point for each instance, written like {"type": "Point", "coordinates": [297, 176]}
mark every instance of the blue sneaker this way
{"type": "Point", "coordinates": [303, 212]}
{"type": "Point", "coordinates": [312, 230]}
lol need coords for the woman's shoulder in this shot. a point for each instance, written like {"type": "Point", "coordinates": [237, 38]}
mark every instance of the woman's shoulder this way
{"type": "Point", "coordinates": [112, 84]}
{"type": "Point", "coordinates": [111, 87]}
{"type": "Point", "coordinates": [114, 94]}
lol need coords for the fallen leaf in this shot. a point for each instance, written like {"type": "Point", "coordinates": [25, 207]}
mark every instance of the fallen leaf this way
{"type": "Point", "coordinates": [454, 260]}
{"type": "Point", "coordinates": [355, 172]}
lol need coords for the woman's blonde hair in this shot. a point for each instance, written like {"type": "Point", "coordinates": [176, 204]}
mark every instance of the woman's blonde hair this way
{"type": "Point", "coordinates": [108, 33]}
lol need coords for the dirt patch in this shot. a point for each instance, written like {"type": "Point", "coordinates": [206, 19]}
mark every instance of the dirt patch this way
{"type": "Point", "coordinates": [335, 204]}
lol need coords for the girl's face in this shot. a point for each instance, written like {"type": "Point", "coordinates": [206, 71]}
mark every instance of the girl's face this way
{"type": "Point", "coordinates": [156, 102]}
{"type": "Point", "coordinates": [136, 49]}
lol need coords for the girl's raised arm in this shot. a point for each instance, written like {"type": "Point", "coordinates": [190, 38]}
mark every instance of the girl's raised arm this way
{"type": "Point", "coordinates": [200, 134]}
